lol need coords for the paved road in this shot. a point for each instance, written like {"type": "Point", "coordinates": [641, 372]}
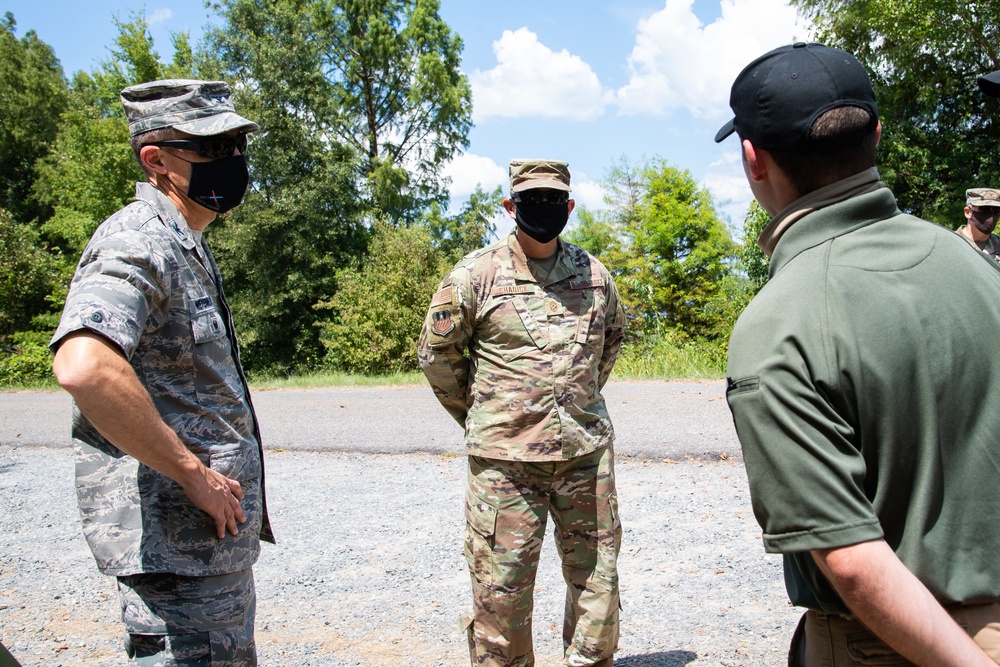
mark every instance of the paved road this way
{"type": "Point", "coordinates": [665, 420]}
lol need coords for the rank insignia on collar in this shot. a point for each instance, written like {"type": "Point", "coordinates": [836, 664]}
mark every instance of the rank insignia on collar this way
{"type": "Point", "coordinates": [443, 324]}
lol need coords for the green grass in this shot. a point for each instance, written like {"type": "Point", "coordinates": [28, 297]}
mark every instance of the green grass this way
{"type": "Point", "coordinates": [329, 379]}
{"type": "Point", "coordinates": [48, 384]}
{"type": "Point", "coordinates": [657, 358]}
{"type": "Point", "coordinates": [665, 358]}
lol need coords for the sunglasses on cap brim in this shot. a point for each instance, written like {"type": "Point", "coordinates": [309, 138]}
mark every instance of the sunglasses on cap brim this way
{"type": "Point", "coordinates": [541, 196]}
{"type": "Point", "coordinates": [215, 147]}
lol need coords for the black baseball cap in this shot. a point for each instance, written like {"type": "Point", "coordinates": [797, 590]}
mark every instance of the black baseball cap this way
{"type": "Point", "coordinates": [779, 96]}
{"type": "Point", "coordinates": [990, 83]}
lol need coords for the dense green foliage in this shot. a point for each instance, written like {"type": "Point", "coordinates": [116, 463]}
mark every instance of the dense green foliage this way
{"type": "Point", "coordinates": [665, 244]}
{"type": "Point", "coordinates": [380, 306]}
{"type": "Point", "coordinates": [32, 97]}
{"type": "Point", "coordinates": [348, 93]}
{"type": "Point", "coordinates": [28, 275]}
{"type": "Point", "coordinates": [380, 77]}
{"type": "Point", "coordinates": [939, 132]}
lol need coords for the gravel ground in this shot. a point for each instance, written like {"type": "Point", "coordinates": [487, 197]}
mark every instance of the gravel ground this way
{"type": "Point", "coordinates": [368, 569]}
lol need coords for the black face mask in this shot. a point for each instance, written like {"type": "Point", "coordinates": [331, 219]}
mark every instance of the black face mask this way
{"type": "Point", "coordinates": [543, 221]}
{"type": "Point", "coordinates": [219, 185]}
{"type": "Point", "coordinates": [983, 221]}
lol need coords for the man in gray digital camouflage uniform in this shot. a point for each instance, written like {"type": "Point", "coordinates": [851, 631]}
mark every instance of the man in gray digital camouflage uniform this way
{"type": "Point", "coordinates": [519, 340]}
{"type": "Point", "coordinates": [169, 472]}
{"type": "Point", "coordinates": [982, 207]}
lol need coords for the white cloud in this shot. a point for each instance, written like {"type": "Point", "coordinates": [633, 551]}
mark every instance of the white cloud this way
{"type": "Point", "coordinates": [160, 16]}
{"type": "Point", "coordinates": [677, 61]}
{"type": "Point", "coordinates": [588, 193]}
{"type": "Point", "coordinates": [469, 170]}
{"type": "Point", "coordinates": [532, 80]}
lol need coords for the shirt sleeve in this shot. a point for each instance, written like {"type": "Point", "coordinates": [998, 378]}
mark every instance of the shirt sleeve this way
{"type": "Point", "coordinates": [800, 446]}
{"type": "Point", "coordinates": [117, 284]}
{"type": "Point", "coordinates": [444, 341]}
{"type": "Point", "coordinates": [614, 317]}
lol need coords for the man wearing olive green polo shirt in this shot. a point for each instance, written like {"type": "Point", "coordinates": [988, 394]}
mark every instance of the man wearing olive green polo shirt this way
{"type": "Point", "coordinates": [863, 403]}
{"type": "Point", "coordinates": [982, 208]}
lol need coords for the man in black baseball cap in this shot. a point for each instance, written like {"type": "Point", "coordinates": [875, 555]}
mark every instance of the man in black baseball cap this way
{"type": "Point", "coordinates": [857, 387]}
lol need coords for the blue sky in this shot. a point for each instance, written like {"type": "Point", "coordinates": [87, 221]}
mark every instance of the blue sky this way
{"type": "Point", "coordinates": [587, 81]}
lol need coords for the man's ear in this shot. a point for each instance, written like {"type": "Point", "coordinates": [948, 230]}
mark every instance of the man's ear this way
{"type": "Point", "coordinates": [878, 133]}
{"type": "Point", "coordinates": [572, 205]}
{"type": "Point", "coordinates": [151, 158]}
{"type": "Point", "coordinates": [508, 205]}
{"type": "Point", "coordinates": [757, 161]}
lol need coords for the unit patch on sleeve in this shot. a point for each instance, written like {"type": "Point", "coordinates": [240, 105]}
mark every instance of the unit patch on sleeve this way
{"type": "Point", "coordinates": [442, 324]}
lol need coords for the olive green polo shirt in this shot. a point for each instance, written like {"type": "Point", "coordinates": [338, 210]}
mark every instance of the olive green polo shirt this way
{"type": "Point", "coordinates": [865, 399]}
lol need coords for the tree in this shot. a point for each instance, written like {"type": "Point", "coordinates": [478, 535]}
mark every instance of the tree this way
{"type": "Point", "coordinates": [380, 306]}
{"type": "Point", "coordinates": [752, 263]}
{"type": "Point", "coordinates": [379, 76]}
{"type": "Point", "coordinates": [939, 132]}
{"type": "Point", "coordinates": [280, 251]}
{"type": "Point", "coordinates": [472, 228]}
{"type": "Point", "coordinates": [32, 96]}
{"type": "Point", "coordinates": [28, 275]}
{"type": "Point", "coordinates": [748, 276]}
{"type": "Point", "coordinates": [90, 172]}
{"type": "Point", "coordinates": [665, 244]}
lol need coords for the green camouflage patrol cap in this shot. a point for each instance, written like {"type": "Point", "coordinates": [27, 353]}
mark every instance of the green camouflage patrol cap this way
{"type": "Point", "coordinates": [982, 197]}
{"type": "Point", "coordinates": [199, 108]}
{"type": "Point", "coordinates": [529, 174]}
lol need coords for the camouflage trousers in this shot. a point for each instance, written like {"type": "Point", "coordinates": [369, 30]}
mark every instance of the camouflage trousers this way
{"type": "Point", "coordinates": [175, 620]}
{"type": "Point", "coordinates": [507, 505]}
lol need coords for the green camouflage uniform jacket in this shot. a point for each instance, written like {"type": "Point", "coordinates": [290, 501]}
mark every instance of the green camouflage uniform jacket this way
{"type": "Point", "coordinates": [145, 283]}
{"type": "Point", "coordinates": [519, 360]}
{"type": "Point", "coordinates": [992, 247]}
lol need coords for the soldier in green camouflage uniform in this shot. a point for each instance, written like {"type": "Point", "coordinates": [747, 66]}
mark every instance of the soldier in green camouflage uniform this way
{"type": "Point", "coordinates": [982, 208]}
{"type": "Point", "coordinates": [169, 473]}
{"type": "Point", "coordinates": [519, 340]}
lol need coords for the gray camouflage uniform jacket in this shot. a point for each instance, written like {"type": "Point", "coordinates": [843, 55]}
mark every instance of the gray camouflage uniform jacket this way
{"type": "Point", "coordinates": [145, 283]}
{"type": "Point", "coordinates": [519, 360]}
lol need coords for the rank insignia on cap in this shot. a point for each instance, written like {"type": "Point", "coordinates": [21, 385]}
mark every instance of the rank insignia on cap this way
{"type": "Point", "coordinates": [443, 323]}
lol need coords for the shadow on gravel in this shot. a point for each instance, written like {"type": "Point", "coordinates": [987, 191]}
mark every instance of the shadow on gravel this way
{"type": "Point", "coordinates": [668, 659]}
{"type": "Point", "coordinates": [4, 467]}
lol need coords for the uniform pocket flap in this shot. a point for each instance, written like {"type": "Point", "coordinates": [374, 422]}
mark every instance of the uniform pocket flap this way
{"type": "Point", "coordinates": [482, 518]}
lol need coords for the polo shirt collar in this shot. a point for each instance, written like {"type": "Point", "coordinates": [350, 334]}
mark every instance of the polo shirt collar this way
{"type": "Point", "coordinates": [832, 221]}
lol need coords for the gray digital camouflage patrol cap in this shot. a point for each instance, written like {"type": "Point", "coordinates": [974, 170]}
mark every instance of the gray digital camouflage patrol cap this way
{"type": "Point", "coordinates": [982, 197]}
{"type": "Point", "coordinates": [536, 173]}
{"type": "Point", "coordinates": [199, 108]}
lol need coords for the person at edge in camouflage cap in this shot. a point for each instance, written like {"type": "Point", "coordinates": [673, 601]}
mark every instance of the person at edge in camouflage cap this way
{"type": "Point", "coordinates": [982, 208]}
{"type": "Point", "coordinates": [519, 340]}
{"type": "Point", "coordinates": [170, 477]}
{"type": "Point", "coordinates": [863, 403]}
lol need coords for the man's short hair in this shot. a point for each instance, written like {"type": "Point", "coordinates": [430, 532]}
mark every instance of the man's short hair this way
{"type": "Point", "coordinates": [160, 134]}
{"type": "Point", "coordinates": [846, 140]}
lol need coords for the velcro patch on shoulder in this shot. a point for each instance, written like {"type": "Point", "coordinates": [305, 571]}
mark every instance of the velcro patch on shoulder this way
{"type": "Point", "coordinates": [586, 284]}
{"type": "Point", "coordinates": [512, 289]}
{"type": "Point", "coordinates": [441, 297]}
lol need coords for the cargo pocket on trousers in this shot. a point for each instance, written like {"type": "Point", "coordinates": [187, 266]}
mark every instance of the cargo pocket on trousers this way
{"type": "Point", "coordinates": [867, 649]}
{"type": "Point", "coordinates": [481, 524]}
